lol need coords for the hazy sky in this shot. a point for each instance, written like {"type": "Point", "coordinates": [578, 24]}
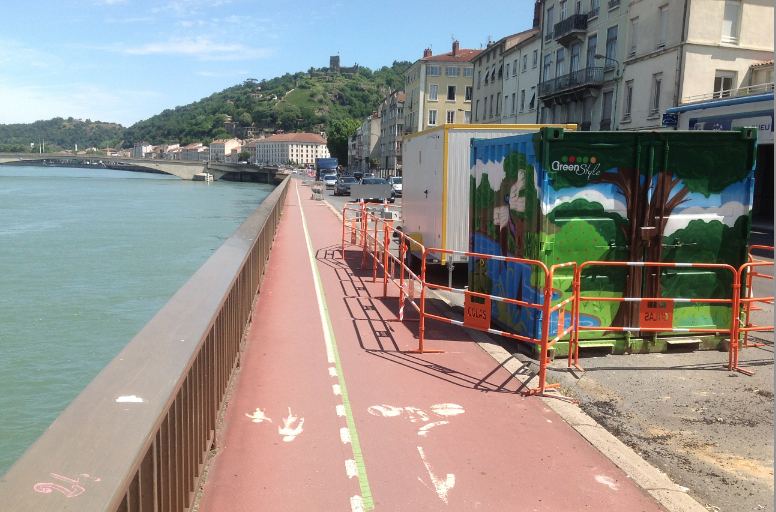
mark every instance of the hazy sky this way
{"type": "Point", "coordinates": [126, 60]}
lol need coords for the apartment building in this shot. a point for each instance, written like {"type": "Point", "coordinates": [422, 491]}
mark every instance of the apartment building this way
{"type": "Point", "coordinates": [191, 152]}
{"type": "Point", "coordinates": [521, 80]}
{"type": "Point", "coordinates": [302, 148]}
{"type": "Point", "coordinates": [391, 129]}
{"type": "Point", "coordinates": [493, 69]}
{"type": "Point", "coordinates": [353, 152]}
{"type": "Point", "coordinates": [221, 149]}
{"type": "Point", "coordinates": [681, 52]}
{"type": "Point", "coordinates": [438, 89]}
{"type": "Point", "coordinates": [583, 50]}
{"type": "Point", "coordinates": [141, 148]}
{"type": "Point", "coordinates": [368, 137]}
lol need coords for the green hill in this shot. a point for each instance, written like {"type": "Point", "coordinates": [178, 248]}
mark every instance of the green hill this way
{"type": "Point", "coordinates": [309, 101]}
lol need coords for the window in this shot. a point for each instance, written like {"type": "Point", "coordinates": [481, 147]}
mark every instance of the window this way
{"type": "Point", "coordinates": [490, 111]}
{"type": "Point", "coordinates": [513, 103]}
{"type": "Point", "coordinates": [506, 74]}
{"type": "Point", "coordinates": [498, 103]}
{"type": "Point", "coordinates": [451, 92]}
{"type": "Point", "coordinates": [432, 117]}
{"type": "Point", "coordinates": [525, 62]}
{"type": "Point", "coordinates": [487, 75]}
{"type": "Point", "coordinates": [626, 115]}
{"type": "Point", "coordinates": [522, 100]}
{"type": "Point", "coordinates": [661, 35]}
{"type": "Point", "coordinates": [514, 67]}
{"type": "Point", "coordinates": [468, 72]}
{"type": "Point", "coordinates": [571, 116]}
{"type": "Point", "coordinates": [433, 92]}
{"type": "Point", "coordinates": [594, 7]}
{"type": "Point", "coordinates": [606, 111]}
{"type": "Point", "coordinates": [548, 35]}
{"type": "Point", "coordinates": [574, 63]}
{"type": "Point", "coordinates": [724, 81]}
{"type": "Point", "coordinates": [563, 10]}
{"type": "Point", "coordinates": [479, 78]}
{"type": "Point", "coordinates": [468, 93]}
{"type": "Point", "coordinates": [477, 111]}
{"type": "Point", "coordinates": [657, 81]}
{"type": "Point", "coordinates": [547, 63]}
{"type": "Point", "coordinates": [611, 47]}
{"type": "Point", "coordinates": [592, 42]}
{"type": "Point", "coordinates": [532, 104]}
{"type": "Point", "coordinates": [467, 117]}
{"type": "Point", "coordinates": [453, 71]}
{"type": "Point", "coordinates": [450, 116]}
{"type": "Point", "coordinates": [730, 22]}
{"type": "Point", "coordinates": [634, 37]}
{"type": "Point", "coordinates": [485, 108]}
{"type": "Point", "coordinates": [559, 63]}
{"type": "Point", "coordinates": [434, 70]}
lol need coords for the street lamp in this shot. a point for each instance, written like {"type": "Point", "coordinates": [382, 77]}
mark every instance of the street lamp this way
{"type": "Point", "coordinates": [616, 69]}
{"type": "Point", "coordinates": [616, 77]}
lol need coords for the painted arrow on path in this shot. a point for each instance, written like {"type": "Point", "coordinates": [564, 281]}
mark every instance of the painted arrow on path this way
{"type": "Point", "coordinates": [290, 433]}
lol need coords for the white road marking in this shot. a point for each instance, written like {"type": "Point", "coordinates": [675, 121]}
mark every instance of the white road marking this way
{"type": "Point", "coordinates": [356, 504]}
{"type": "Point", "coordinates": [336, 389]}
{"type": "Point", "coordinates": [289, 433]}
{"type": "Point", "coordinates": [425, 428]}
{"type": "Point", "coordinates": [332, 371]}
{"type": "Point", "coordinates": [345, 435]}
{"type": "Point", "coordinates": [340, 410]}
{"type": "Point", "coordinates": [130, 398]}
{"type": "Point", "coordinates": [447, 409]}
{"type": "Point", "coordinates": [607, 481]}
{"type": "Point", "coordinates": [416, 414]}
{"type": "Point", "coordinates": [386, 411]}
{"type": "Point", "coordinates": [258, 416]}
{"type": "Point", "coordinates": [441, 487]}
{"type": "Point", "coordinates": [350, 468]}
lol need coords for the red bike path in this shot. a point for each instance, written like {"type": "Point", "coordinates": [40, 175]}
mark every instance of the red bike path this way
{"type": "Point", "coordinates": [430, 432]}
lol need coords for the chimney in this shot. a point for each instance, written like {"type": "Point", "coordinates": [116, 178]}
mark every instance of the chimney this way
{"type": "Point", "coordinates": [427, 53]}
{"type": "Point", "coordinates": [537, 19]}
{"type": "Point", "coordinates": [455, 48]}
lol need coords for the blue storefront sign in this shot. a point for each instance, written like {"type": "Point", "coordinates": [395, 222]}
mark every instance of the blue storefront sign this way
{"type": "Point", "coordinates": [670, 119]}
{"type": "Point", "coordinates": [762, 120]}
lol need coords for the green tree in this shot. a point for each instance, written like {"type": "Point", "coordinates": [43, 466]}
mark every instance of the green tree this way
{"type": "Point", "coordinates": [338, 133]}
{"type": "Point", "coordinates": [244, 156]}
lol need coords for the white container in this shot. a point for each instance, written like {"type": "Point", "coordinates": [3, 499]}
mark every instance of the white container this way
{"type": "Point", "coordinates": [435, 202]}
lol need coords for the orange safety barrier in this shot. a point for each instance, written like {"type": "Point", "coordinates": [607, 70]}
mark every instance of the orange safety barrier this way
{"type": "Point", "coordinates": [661, 320]}
{"type": "Point", "coordinates": [747, 301]}
{"type": "Point", "coordinates": [352, 225]}
{"type": "Point", "coordinates": [477, 315]}
{"type": "Point", "coordinates": [391, 262]}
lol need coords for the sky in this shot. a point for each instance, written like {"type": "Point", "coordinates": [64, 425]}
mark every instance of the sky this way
{"type": "Point", "coordinates": [123, 61]}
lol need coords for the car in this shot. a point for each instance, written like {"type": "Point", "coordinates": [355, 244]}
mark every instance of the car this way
{"type": "Point", "coordinates": [395, 182]}
{"type": "Point", "coordinates": [329, 180]}
{"type": "Point", "coordinates": [369, 175]}
{"type": "Point", "coordinates": [358, 175]}
{"type": "Point", "coordinates": [342, 187]}
{"type": "Point", "coordinates": [377, 181]}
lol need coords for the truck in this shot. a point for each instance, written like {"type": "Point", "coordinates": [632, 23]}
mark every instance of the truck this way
{"type": "Point", "coordinates": [325, 166]}
{"type": "Point", "coordinates": [435, 203]}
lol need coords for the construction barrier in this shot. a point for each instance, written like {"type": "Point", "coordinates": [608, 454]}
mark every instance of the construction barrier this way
{"type": "Point", "coordinates": [352, 225]}
{"type": "Point", "coordinates": [477, 315]}
{"type": "Point", "coordinates": [392, 263]}
{"type": "Point", "coordinates": [746, 301]}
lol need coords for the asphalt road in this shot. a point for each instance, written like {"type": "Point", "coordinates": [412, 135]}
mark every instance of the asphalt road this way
{"type": "Point", "coordinates": [709, 429]}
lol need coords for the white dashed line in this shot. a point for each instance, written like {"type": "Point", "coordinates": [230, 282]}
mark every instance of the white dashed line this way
{"type": "Point", "coordinates": [332, 371]}
{"type": "Point", "coordinates": [341, 411]}
{"type": "Point", "coordinates": [350, 468]}
{"type": "Point", "coordinates": [345, 435]}
{"type": "Point", "coordinates": [357, 504]}
{"type": "Point", "coordinates": [336, 389]}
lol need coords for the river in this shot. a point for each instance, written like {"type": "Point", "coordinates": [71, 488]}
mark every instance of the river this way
{"type": "Point", "coordinates": [87, 257]}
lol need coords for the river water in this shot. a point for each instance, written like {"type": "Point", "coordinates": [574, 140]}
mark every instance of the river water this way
{"type": "Point", "coordinates": [87, 257]}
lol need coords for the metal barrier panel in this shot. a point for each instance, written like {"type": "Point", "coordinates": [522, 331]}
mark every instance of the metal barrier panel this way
{"type": "Point", "coordinates": [138, 436]}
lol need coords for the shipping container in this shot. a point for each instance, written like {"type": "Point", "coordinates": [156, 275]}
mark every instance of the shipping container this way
{"type": "Point", "coordinates": [557, 196]}
{"type": "Point", "coordinates": [436, 181]}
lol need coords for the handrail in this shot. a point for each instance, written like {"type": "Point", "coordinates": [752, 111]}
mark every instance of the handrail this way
{"type": "Point", "coordinates": [137, 438]}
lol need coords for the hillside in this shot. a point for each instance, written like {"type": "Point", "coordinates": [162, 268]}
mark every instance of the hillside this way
{"type": "Point", "coordinates": [309, 101]}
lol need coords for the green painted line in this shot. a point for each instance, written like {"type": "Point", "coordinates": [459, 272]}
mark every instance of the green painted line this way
{"type": "Point", "coordinates": [363, 481]}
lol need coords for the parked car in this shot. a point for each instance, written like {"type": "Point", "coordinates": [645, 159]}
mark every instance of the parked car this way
{"type": "Point", "coordinates": [329, 180]}
{"type": "Point", "coordinates": [395, 182]}
{"type": "Point", "coordinates": [377, 181]}
{"type": "Point", "coordinates": [342, 187]}
{"type": "Point", "coordinates": [369, 175]}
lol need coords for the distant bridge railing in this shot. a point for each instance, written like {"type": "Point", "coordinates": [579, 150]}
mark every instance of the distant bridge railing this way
{"type": "Point", "coordinates": [138, 437]}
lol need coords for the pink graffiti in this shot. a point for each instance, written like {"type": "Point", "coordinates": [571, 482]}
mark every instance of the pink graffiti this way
{"type": "Point", "coordinates": [71, 492]}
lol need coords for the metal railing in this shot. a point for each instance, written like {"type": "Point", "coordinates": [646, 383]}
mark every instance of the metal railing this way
{"type": "Point", "coordinates": [574, 23]}
{"type": "Point", "coordinates": [730, 93]}
{"type": "Point", "coordinates": [593, 13]}
{"type": "Point", "coordinates": [584, 77]}
{"type": "Point", "coordinates": [138, 437]}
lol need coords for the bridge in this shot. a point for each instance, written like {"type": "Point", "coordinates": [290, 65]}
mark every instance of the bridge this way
{"type": "Point", "coordinates": [183, 169]}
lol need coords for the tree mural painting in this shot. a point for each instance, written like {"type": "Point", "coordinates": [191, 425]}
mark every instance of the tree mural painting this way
{"type": "Point", "coordinates": [653, 178]}
{"type": "Point", "coordinates": [514, 204]}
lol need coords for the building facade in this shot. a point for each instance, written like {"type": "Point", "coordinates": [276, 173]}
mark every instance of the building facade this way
{"type": "Point", "coordinates": [221, 149]}
{"type": "Point", "coordinates": [191, 152]}
{"type": "Point", "coordinates": [368, 137]}
{"type": "Point", "coordinates": [302, 148]}
{"type": "Point", "coordinates": [438, 89]}
{"type": "Point", "coordinates": [391, 129]}
{"type": "Point", "coordinates": [521, 80]}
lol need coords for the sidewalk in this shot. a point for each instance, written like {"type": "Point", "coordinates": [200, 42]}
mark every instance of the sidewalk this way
{"type": "Point", "coordinates": [333, 415]}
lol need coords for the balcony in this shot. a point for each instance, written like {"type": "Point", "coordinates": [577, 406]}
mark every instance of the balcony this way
{"type": "Point", "coordinates": [571, 30]}
{"type": "Point", "coordinates": [586, 78]}
{"type": "Point", "coordinates": [730, 93]}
